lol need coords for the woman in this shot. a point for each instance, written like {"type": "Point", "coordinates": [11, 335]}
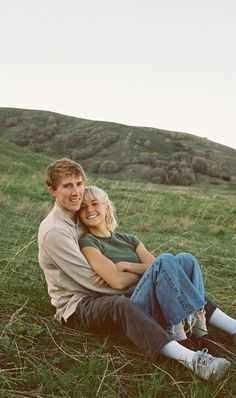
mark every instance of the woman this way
{"type": "Point", "coordinates": [169, 288]}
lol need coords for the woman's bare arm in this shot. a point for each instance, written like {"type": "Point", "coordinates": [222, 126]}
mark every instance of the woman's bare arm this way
{"type": "Point", "coordinates": [145, 257]}
{"type": "Point", "coordinates": [108, 271]}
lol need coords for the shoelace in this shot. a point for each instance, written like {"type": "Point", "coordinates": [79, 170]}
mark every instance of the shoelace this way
{"type": "Point", "coordinates": [205, 358]}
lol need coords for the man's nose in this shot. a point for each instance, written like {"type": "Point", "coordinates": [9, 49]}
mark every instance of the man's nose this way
{"type": "Point", "coordinates": [76, 189]}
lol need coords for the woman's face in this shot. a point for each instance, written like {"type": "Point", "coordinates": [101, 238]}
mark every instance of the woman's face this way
{"type": "Point", "coordinates": [93, 212]}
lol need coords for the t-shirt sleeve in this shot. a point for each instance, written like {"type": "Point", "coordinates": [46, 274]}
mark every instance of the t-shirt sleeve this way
{"type": "Point", "coordinates": [131, 239]}
{"type": "Point", "coordinates": [88, 240]}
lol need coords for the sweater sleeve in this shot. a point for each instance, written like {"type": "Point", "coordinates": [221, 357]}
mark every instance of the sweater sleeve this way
{"type": "Point", "coordinates": [66, 255]}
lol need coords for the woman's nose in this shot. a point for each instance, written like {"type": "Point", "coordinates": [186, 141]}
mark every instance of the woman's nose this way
{"type": "Point", "coordinates": [89, 208]}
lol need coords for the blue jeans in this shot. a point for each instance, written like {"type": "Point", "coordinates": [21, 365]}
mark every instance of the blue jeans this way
{"type": "Point", "coordinates": [171, 289]}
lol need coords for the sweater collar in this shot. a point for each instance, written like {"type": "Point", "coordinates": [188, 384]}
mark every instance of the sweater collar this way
{"type": "Point", "coordinates": [64, 216]}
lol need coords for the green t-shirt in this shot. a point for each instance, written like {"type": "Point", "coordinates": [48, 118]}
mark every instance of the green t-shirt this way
{"type": "Point", "coordinates": [117, 247]}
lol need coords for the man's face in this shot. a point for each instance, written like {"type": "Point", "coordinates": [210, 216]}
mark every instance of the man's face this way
{"type": "Point", "coordinates": [69, 194]}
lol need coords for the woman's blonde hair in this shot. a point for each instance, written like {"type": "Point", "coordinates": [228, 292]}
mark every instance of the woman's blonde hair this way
{"type": "Point", "coordinates": [92, 192]}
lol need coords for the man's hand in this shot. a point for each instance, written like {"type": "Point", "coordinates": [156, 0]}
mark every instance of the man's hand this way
{"type": "Point", "coordinates": [98, 281]}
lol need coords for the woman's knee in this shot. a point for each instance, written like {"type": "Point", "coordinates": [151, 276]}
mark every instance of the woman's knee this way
{"type": "Point", "coordinates": [189, 263]}
{"type": "Point", "coordinates": [185, 257]}
{"type": "Point", "coordinates": [165, 258]}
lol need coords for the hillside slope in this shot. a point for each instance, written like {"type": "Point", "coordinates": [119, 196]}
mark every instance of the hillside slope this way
{"type": "Point", "coordinates": [120, 151]}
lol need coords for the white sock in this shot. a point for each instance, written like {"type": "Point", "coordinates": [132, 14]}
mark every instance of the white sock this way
{"type": "Point", "coordinates": [223, 321]}
{"type": "Point", "coordinates": [177, 351]}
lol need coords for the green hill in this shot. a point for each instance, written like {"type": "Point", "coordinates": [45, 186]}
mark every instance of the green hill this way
{"type": "Point", "coordinates": [119, 151]}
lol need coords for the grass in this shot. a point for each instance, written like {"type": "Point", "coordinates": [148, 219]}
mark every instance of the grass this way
{"type": "Point", "coordinates": [38, 358]}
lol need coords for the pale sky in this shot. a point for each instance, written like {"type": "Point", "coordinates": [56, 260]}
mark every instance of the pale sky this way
{"type": "Point", "coordinates": [168, 64]}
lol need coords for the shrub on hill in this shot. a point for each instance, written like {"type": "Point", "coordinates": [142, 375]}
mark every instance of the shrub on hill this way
{"type": "Point", "coordinates": [213, 170]}
{"type": "Point", "coordinates": [11, 121]}
{"type": "Point", "coordinates": [206, 166]}
{"type": "Point", "coordinates": [147, 173]}
{"type": "Point", "coordinates": [33, 137]}
{"type": "Point", "coordinates": [108, 166]}
{"type": "Point", "coordinates": [154, 175]}
{"type": "Point", "coordinates": [159, 175]}
{"type": "Point", "coordinates": [42, 135]}
{"type": "Point", "coordinates": [180, 156]}
{"type": "Point", "coordinates": [51, 119]}
{"type": "Point", "coordinates": [182, 176]}
{"type": "Point", "coordinates": [174, 173]}
{"type": "Point", "coordinates": [94, 166]}
{"type": "Point", "coordinates": [226, 177]}
{"type": "Point", "coordinates": [22, 141]}
{"type": "Point", "coordinates": [175, 164]}
{"type": "Point", "coordinates": [160, 163]}
{"type": "Point", "coordinates": [147, 158]}
{"type": "Point", "coordinates": [199, 164]}
{"type": "Point", "coordinates": [70, 140]}
{"type": "Point", "coordinates": [179, 173]}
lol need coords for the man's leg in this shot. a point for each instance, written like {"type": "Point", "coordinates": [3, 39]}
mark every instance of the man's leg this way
{"type": "Point", "coordinates": [224, 322]}
{"type": "Point", "coordinates": [210, 307]}
{"type": "Point", "coordinates": [117, 314]}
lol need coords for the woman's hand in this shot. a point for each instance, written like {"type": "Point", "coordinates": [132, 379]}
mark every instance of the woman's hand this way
{"type": "Point", "coordinates": [122, 266]}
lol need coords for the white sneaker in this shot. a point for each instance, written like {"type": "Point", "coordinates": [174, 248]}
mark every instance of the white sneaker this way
{"type": "Point", "coordinates": [208, 367]}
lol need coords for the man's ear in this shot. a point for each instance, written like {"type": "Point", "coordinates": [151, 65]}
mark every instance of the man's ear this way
{"type": "Point", "coordinates": [51, 190]}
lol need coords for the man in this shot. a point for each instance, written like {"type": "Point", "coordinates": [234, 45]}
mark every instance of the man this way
{"type": "Point", "coordinates": [82, 304]}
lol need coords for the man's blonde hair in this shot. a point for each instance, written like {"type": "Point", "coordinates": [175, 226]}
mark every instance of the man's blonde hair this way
{"type": "Point", "coordinates": [62, 168]}
{"type": "Point", "coordinates": [93, 192]}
